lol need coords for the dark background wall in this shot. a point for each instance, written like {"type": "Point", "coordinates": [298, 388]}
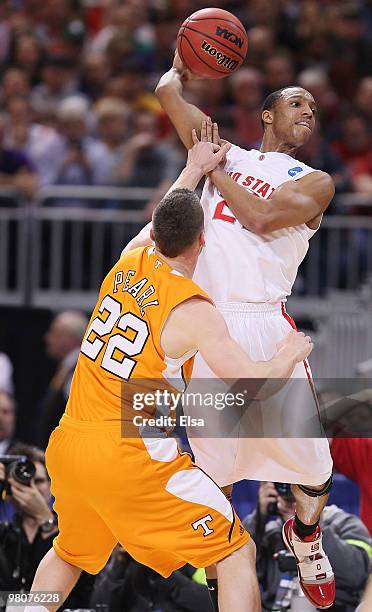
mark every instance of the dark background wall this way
{"type": "Point", "coordinates": [21, 337]}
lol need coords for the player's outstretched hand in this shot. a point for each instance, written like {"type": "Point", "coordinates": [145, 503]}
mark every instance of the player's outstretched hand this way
{"type": "Point", "coordinates": [206, 155]}
{"type": "Point", "coordinates": [296, 344]}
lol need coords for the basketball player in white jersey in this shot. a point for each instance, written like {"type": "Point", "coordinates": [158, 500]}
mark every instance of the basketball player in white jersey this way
{"type": "Point", "coordinates": [260, 211]}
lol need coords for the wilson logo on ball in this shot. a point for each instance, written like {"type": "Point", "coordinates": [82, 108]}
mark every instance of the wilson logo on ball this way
{"type": "Point", "coordinates": [221, 58]}
{"type": "Point", "coordinates": [230, 36]}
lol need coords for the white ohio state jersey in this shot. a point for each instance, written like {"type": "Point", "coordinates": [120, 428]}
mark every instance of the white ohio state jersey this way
{"type": "Point", "coordinates": [237, 265]}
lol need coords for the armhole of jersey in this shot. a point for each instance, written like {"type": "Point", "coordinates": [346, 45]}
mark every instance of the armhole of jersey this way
{"type": "Point", "coordinates": [173, 371]}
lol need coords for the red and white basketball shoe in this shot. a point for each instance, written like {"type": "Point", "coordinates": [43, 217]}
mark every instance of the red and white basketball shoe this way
{"type": "Point", "coordinates": [313, 567]}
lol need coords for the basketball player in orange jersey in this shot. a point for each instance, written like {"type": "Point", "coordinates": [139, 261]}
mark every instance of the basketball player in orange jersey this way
{"type": "Point", "coordinates": [149, 321]}
{"type": "Point", "coordinates": [261, 209]}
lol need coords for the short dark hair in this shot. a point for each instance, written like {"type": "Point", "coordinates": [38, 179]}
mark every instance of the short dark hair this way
{"type": "Point", "coordinates": [270, 101]}
{"type": "Point", "coordinates": [33, 453]}
{"type": "Point", "coordinates": [177, 221]}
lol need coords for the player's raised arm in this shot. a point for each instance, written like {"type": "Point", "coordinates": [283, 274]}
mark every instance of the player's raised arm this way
{"type": "Point", "coordinates": [169, 91]}
{"type": "Point", "coordinates": [201, 159]}
{"type": "Point", "coordinates": [198, 324]}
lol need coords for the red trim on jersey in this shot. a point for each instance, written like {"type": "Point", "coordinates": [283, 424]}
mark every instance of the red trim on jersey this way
{"type": "Point", "coordinates": [305, 362]}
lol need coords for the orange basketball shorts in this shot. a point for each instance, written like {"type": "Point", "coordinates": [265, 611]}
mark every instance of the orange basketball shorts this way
{"type": "Point", "coordinates": [143, 493]}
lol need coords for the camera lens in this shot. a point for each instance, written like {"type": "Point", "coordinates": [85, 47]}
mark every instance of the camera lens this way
{"type": "Point", "coordinates": [22, 471]}
{"type": "Point", "coordinates": [283, 489]}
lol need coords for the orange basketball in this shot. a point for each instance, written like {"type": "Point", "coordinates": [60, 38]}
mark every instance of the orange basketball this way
{"type": "Point", "coordinates": [212, 43]}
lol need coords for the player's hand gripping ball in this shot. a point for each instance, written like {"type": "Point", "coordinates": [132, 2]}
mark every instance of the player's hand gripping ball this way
{"type": "Point", "coordinates": [212, 43]}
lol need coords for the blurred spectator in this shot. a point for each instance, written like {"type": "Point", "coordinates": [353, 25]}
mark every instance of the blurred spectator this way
{"type": "Point", "coordinates": [80, 157]}
{"type": "Point", "coordinates": [16, 170]}
{"type": "Point", "coordinates": [350, 457]}
{"type": "Point", "coordinates": [279, 71]}
{"type": "Point", "coordinates": [316, 81]}
{"type": "Point", "coordinates": [207, 95]}
{"type": "Point", "coordinates": [345, 539]}
{"type": "Point", "coordinates": [14, 83]}
{"type": "Point", "coordinates": [130, 86]}
{"type": "Point", "coordinates": [28, 536]}
{"type": "Point", "coordinates": [318, 154]}
{"type": "Point", "coordinates": [27, 55]}
{"type": "Point", "coordinates": [95, 71]}
{"type": "Point", "coordinates": [6, 374]}
{"type": "Point", "coordinates": [7, 421]}
{"type": "Point", "coordinates": [145, 162]}
{"type": "Point", "coordinates": [261, 46]}
{"type": "Point", "coordinates": [126, 584]}
{"type": "Point", "coordinates": [350, 48]}
{"type": "Point", "coordinates": [247, 94]}
{"type": "Point", "coordinates": [113, 117]}
{"type": "Point", "coordinates": [363, 98]}
{"type": "Point", "coordinates": [120, 49]}
{"type": "Point", "coordinates": [58, 24]}
{"type": "Point", "coordinates": [354, 148]}
{"type": "Point", "coordinates": [118, 17]}
{"type": "Point", "coordinates": [5, 31]}
{"type": "Point", "coordinates": [40, 143]}
{"type": "Point", "coordinates": [58, 81]}
{"type": "Point", "coordinates": [165, 28]}
{"type": "Point", "coordinates": [63, 341]}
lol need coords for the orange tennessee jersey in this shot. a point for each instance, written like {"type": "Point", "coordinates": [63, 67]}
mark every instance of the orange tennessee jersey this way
{"type": "Point", "coordinates": [121, 346]}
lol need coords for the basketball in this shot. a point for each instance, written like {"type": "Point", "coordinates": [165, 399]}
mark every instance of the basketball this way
{"type": "Point", "coordinates": [212, 43]}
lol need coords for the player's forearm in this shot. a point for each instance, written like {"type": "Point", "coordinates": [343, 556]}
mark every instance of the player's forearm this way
{"type": "Point", "coordinates": [284, 209]}
{"type": "Point", "coordinates": [276, 373]}
{"type": "Point", "coordinates": [189, 178]}
{"type": "Point", "coordinates": [184, 116]}
{"type": "Point", "coordinates": [142, 239]}
{"type": "Point", "coordinates": [247, 207]}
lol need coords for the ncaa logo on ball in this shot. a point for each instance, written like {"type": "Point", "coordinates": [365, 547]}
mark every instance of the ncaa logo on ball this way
{"type": "Point", "coordinates": [230, 36]}
{"type": "Point", "coordinates": [221, 58]}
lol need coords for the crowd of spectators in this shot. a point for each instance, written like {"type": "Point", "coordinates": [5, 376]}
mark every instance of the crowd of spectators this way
{"type": "Point", "coordinates": [77, 80]}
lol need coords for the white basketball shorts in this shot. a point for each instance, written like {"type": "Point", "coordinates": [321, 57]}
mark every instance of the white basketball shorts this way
{"type": "Point", "coordinates": [275, 453]}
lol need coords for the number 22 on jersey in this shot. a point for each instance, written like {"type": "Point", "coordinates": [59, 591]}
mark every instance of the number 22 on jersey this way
{"type": "Point", "coordinates": [118, 343]}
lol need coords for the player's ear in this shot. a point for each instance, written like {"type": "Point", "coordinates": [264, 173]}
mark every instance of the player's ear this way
{"type": "Point", "coordinates": [202, 241]}
{"type": "Point", "coordinates": [267, 117]}
{"type": "Point", "coordinates": [152, 237]}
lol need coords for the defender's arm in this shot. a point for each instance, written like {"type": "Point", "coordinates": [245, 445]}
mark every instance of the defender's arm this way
{"type": "Point", "coordinates": [201, 159]}
{"type": "Point", "coordinates": [293, 203]}
{"type": "Point", "coordinates": [198, 324]}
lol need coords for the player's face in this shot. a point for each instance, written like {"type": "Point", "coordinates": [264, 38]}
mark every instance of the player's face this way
{"type": "Point", "coordinates": [294, 116]}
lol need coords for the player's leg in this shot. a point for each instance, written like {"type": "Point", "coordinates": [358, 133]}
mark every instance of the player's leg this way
{"type": "Point", "coordinates": [54, 575]}
{"type": "Point", "coordinates": [310, 501]}
{"type": "Point", "coordinates": [176, 514]}
{"type": "Point", "coordinates": [211, 571]}
{"type": "Point", "coordinates": [84, 542]}
{"type": "Point", "coordinates": [303, 537]}
{"type": "Point", "coordinates": [237, 581]}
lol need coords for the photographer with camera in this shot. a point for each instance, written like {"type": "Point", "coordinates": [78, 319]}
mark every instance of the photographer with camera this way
{"type": "Point", "coordinates": [345, 539]}
{"type": "Point", "coordinates": [27, 538]}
